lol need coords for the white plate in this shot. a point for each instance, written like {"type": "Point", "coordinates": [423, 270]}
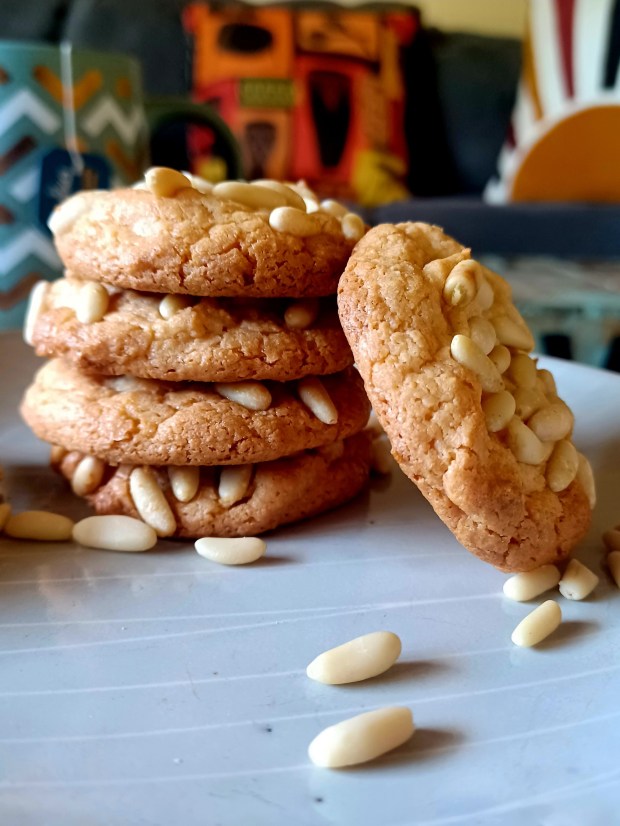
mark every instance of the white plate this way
{"type": "Point", "coordinates": [162, 689]}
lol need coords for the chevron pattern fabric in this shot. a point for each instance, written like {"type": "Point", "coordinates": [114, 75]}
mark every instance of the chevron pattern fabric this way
{"type": "Point", "coordinates": [60, 112]}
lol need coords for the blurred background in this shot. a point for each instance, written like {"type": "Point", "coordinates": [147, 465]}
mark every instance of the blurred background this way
{"type": "Point", "coordinates": [495, 120]}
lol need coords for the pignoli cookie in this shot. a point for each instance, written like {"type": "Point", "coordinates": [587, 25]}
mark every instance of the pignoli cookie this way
{"type": "Point", "coordinates": [445, 358]}
{"type": "Point", "coordinates": [237, 238]}
{"type": "Point", "coordinates": [145, 421]}
{"type": "Point", "coordinates": [178, 338]}
{"type": "Point", "coordinates": [273, 493]}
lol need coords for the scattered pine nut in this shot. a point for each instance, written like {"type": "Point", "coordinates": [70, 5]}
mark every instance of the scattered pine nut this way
{"type": "Point", "coordinates": [114, 533]}
{"type": "Point", "coordinates": [578, 581]}
{"type": "Point", "coordinates": [522, 587]}
{"type": "Point", "coordinates": [42, 526]}
{"type": "Point", "coordinates": [358, 659]}
{"type": "Point", "coordinates": [538, 624]}
{"type": "Point", "coordinates": [613, 561]}
{"type": "Point", "coordinates": [362, 738]}
{"type": "Point", "coordinates": [233, 551]}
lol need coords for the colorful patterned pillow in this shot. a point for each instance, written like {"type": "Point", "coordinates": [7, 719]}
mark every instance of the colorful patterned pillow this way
{"type": "Point", "coordinates": [564, 143]}
{"type": "Point", "coordinates": [313, 94]}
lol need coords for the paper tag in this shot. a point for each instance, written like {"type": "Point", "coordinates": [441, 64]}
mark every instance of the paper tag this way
{"type": "Point", "coordinates": [61, 177]}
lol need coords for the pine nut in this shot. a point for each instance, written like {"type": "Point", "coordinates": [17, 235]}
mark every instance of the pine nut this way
{"type": "Point", "coordinates": [314, 395]}
{"type": "Point", "coordinates": [234, 483]}
{"type": "Point", "coordinates": [611, 538]}
{"type": "Point", "coordinates": [114, 533]}
{"type": "Point", "coordinates": [57, 454]}
{"type": "Point", "coordinates": [578, 581]}
{"type": "Point", "coordinates": [585, 477]}
{"type": "Point", "coordinates": [358, 659]}
{"type": "Point", "coordinates": [312, 205]}
{"type": "Point", "coordinates": [482, 333]}
{"type": "Point", "coordinates": [334, 208]}
{"type": "Point", "coordinates": [512, 334]}
{"type": "Point", "coordinates": [294, 222]}
{"type": "Point", "coordinates": [461, 284]}
{"type": "Point", "coordinates": [66, 214]}
{"type": "Point", "coordinates": [5, 513]}
{"type": "Point", "coordinates": [537, 626]}
{"type": "Point", "coordinates": [239, 551]}
{"type": "Point", "coordinates": [485, 296]}
{"type": "Point", "coordinates": [250, 394]}
{"type": "Point", "coordinates": [552, 423]}
{"type": "Point", "coordinates": [249, 195]}
{"type": "Point", "coordinates": [36, 302]}
{"type": "Point", "coordinates": [199, 184]}
{"type": "Point", "coordinates": [353, 226]}
{"type": "Point", "coordinates": [528, 401]}
{"type": "Point", "coordinates": [291, 197]}
{"type": "Point", "coordinates": [88, 475]}
{"type": "Point", "coordinates": [381, 459]}
{"type": "Point", "coordinates": [522, 371]}
{"type": "Point", "coordinates": [165, 182]}
{"type": "Point", "coordinates": [613, 562]}
{"type": "Point", "coordinates": [548, 382]}
{"type": "Point", "coordinates": [150, 501]}
{"type": "Point", "coordinates": [500, 356]}
{"type": "Point", "coordinates": [526, 445]}
{"type": "Point", "coordinates": [362, 738]}
{"type": "Point", "coordinates": [39, 525]}
{"type": "Point", "coordinates": [172, 304]}
{"type": "Point", "coordinates": [92, 303]}
{"type": "Point", "coordinates": [467, 353]}
{"type": "Point", "coordinates": [184, 482]}
{"type": "Point", "coordinates": [563, 466]}
{"type": "Point", "coordinates": [498, 409]}
{"type": "Point", "coordinates": [301, 314]}
{"type": "Point", "coordinates": [522, 587]}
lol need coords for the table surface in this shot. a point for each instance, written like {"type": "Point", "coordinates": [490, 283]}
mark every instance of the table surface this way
{"type": "Point", "coordinates": [160, 688]}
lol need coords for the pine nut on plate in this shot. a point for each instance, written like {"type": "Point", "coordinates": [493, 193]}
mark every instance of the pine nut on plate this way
{"type": "Point", "coordinates": [42, 526]}
{"type": "Point", "coordinates": [525, 586]}
{"type": "Point", "coordinates": [362, 738]}
{"type": "Point", "coordinates": [231, 551]}
{"type": "Point", "coordinates": [578, 581]}
{"type": "Point", "coordinates": [359, 659]}
{"type": "Point", "coordinates": [114, 533]}
{"type": "Point", "coordinates": [538, 625]}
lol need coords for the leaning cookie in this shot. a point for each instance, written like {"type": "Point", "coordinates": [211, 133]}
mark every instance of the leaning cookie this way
{"type": "Point", "coordinates": [235, 238]}
{"type": "Point", "coordinates": [444, 357]}
{"type": "Point", "coordinates": [174, 337]}
{"type": "Point", "coordinates": [242, 500]}
{"type": "Point", "coordinates": [145, 421]}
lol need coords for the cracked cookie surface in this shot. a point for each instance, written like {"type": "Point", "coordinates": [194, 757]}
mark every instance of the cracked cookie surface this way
{"type": "Point", "coordinates": [281, 491]}
{"type": "Point", "coordinates": [194, 244]}
{"type": "Point", "coordinates": [435, 359]}
{"type": "Point", "coordinates": [210, 339]}
{"type": "Point", "coordinates": [145, 421]}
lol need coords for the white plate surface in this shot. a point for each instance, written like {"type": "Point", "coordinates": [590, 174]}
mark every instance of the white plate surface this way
{"type": "Point", "coordinates": [162, 689]}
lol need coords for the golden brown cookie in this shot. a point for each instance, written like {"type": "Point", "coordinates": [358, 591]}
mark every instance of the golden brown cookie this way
{"type": "Point", "coordinates": [145, 421]}
{"type": "Point", "coordinates": [182, 338]}
{"type": "Point", "coordinates": [242, 500]}
{"type": "Point", "coordinates": [233, 239]}
{"type": "Point", "coordinates": [444, 356]}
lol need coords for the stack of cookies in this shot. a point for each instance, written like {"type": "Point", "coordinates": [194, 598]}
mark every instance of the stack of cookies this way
{"type": "Point", "coordinates": [198, 377]}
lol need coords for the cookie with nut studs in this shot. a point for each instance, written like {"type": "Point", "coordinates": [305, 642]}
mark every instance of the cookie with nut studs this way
{"type": "Point", "coordinates": [229, 500]}
{"type": "Point", "coordinates": [174, 233]}
{"type": "Point", "coordinates": [446, 361]}
{"type": "Point", "coordinates": [184, 338]}
{"type": "Point", "coordinates": [124, 419]}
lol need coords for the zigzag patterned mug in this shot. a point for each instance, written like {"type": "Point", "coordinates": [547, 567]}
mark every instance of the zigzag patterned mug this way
{"type": "Point", "coordinates": [71, 119]}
